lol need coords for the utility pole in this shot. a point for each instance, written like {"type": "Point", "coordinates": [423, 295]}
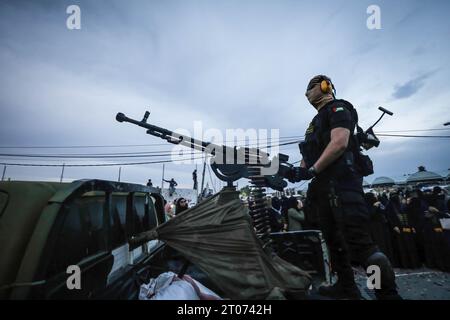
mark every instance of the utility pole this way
{"type": "Point", "coordinates": [62, 173]}
{"type": "Point", "coordinates": [196, 191]}
{"type": "Point", "coordinates": [211, 179]}
{"type": "Point", "coordinates": [162, 179]}
{"type": "Point", "coordinates": [4, 171]}
{"type": "Point", "coordinates": [120, 169]}
{"type": "Point", "coordinates": [203, 176]}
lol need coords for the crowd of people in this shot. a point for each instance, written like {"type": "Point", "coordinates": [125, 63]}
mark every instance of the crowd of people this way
{"type": "Point", "coordinates": [175, 207]}
{"type": "Point", "coordinates": [406, 226]}
{"type": "Point", "coordinates": [404, 223]}
{"type": "Point", "coordinates": [286, 214]}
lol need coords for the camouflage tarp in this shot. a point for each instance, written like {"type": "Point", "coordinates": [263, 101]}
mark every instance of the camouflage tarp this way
{"type": "Point", "coordinates": [218, 237]}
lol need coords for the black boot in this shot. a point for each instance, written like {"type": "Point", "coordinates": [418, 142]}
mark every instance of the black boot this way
{"type": "Point", "coordinates": [388, 289]}
{"type": "Point", "coordinates": [345, 287]}
{"type": "Point", "coordinates": [340, 291]}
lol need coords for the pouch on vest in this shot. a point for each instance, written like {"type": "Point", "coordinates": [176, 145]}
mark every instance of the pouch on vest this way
{"type": "Point", "coordinates": [364, 164]}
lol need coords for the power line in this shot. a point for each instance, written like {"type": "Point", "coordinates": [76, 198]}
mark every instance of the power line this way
{"type": "Point", "coordinates": [116, 164]}
{"type": "Point", "coordinates": [163, 144]}
{"type": "Point", "coordinates": [124, 145]}
{"type": "Point", "coordinates": [82, 147]}
{"type": "Point", "coordinates": [121, 155]}
{"type": "Point", "coordinates": [414, 130]}
{"type": "Point", "coordinates": [94, 165]}
{"type": "Point", "coordinates": [87, 157]}
{"type": "Point", "coordinates": [108, 164]}
{"type": "Point", "coordinates": [153, 155]}
{"type": "Point", "coordinates": [106, 154]}
{"type": "Point", "coordinates": [410, 136]}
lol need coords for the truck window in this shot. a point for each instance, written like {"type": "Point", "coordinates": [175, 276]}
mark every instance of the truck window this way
{"type": "Point", "coordinates": [152, 219]}
{"type": "Point", "coordinates": [147, 220]}
{"type": "Point", "coordinates": [117, 219]}
{"type": "Point", "coordinates": [81, 234]}
{"type": "Point", "coordinates": [3, 201]}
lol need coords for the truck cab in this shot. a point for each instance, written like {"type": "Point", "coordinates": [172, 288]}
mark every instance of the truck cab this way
{"type": "Point", "coordinates": [50, 231]}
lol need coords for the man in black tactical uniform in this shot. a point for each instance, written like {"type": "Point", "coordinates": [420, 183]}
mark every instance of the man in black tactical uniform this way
{"type": "Point", "coordinates": [336, 195]}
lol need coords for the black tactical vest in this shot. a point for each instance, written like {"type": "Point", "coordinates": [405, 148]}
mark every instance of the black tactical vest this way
{"type": "Point", "coordinates": [318, 135]}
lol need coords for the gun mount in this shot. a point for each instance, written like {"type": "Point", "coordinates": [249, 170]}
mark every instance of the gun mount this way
{"type": "Point", "coordinates": [229, 164]}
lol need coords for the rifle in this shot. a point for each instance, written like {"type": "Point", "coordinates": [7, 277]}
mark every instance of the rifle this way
{"type": "Point", "coordinates": [228, 163]}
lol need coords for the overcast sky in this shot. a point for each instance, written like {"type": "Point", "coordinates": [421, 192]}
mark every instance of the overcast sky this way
{"type": "Point", "coordinates": [229, 64]}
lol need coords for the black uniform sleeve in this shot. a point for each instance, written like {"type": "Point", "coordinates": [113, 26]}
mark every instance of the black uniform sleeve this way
{"type": "Point", "coordinates": [339, 117]}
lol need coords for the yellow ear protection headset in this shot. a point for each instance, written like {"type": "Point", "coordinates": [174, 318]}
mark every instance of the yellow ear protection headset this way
{"type": "Point", "coordinates": [326, 86]}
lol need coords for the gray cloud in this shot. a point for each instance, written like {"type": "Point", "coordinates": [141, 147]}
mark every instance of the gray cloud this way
{"type": "Point", "coordinates": [404, 155]}
{"type": "Point", "coordinates": [411, 87]}
{"type": "Point", "coordinates": [230, 64]}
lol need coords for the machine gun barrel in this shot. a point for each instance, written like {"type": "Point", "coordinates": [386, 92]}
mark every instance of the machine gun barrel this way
{"type": "Point", "coordinates": [228, 163]}
{"type": "Point", "coordinates": [251, 155]}
{"type": "Point", "coordinates": [165, 134]}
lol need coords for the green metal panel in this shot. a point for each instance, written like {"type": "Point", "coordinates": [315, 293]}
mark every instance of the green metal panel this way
{"type": "Point", "coordinates": [21, 204]}
{"type": "Point", "coordinates": [28, 220]}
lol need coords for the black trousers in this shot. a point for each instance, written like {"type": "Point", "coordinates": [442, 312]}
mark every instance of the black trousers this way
{"type": "Point", "coordinates": [346, 231]}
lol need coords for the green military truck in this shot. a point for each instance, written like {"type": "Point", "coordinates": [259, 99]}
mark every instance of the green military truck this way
{"type": "Point", "coordinates": [116, 237]}
{"type": "Point", "coordinates": [46, 227]}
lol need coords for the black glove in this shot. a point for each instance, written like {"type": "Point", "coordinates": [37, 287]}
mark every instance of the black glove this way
{"type": "Point", "coordinates": [299, 173]}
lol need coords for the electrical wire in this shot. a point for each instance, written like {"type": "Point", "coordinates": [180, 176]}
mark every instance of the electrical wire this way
{"type": "Point", "coordinates": [89, 157]}
{"type": "Point", "coordinates": [164, 144]}
{"type": "Point", "coordinates": [107, 164]}
{"type": "Point", "coordinates": [120, 155]}
{"type": "Point", "coordinates": [409, 136]}
{"type": "Point", "coordinates": [286, 143]}
{"type": "Point", "coordinates": [94, 165]}
{"type": "Point", "coordinates": [414, 130]}
{"type": "Point", "coordinates": [120, 145]}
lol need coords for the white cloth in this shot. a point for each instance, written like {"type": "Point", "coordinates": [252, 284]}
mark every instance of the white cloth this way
{"type": "Point", "coordinates": [445, 223]}
{"type": "Point", "coordinates": [167, 286]}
